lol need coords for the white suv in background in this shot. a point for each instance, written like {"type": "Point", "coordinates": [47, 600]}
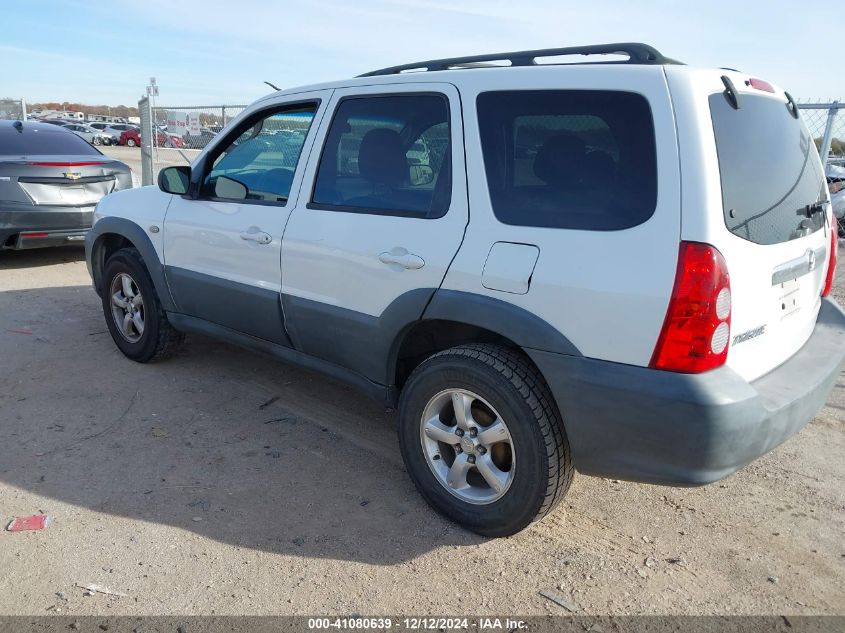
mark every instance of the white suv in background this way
{"type": "Point", "coordinates": [619, 268]}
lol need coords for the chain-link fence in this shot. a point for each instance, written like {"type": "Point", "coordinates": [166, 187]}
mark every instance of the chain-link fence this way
{"type": "Point", "coordinates": [190, 127]}
{"type": "Point", "coordinates": [13, 109]}
{"type": "Point", "coordinates": [826, 121]}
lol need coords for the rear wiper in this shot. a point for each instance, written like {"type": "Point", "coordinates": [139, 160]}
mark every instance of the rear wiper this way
{"type": "Point", "coordinates": [810, 210]}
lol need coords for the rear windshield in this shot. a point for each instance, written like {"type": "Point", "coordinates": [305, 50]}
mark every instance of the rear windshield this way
{"type": "Point", "coordinates": [769, 168]}
{"type": "Point", "coordinates": [575, 159]}
{"type": "Point", "coordinates": [42, 140]}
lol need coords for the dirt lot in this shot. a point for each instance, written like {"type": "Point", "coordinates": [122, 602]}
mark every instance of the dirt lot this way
{"type": "Point", "coordinates": [223, 482]}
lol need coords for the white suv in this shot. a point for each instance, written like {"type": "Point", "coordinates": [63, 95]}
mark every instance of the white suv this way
{"type": "Point", "coordinates": [619, 268]}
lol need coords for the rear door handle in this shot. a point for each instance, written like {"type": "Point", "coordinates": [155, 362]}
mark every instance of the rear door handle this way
{"type": "Point", "coordinates": [405, 260]}
{"type": "Point", "coordinates": [254, 234]}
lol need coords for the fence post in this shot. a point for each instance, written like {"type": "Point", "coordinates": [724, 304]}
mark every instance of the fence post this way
{"type": "Point", "coordinates": [223, 115]}
{"type": "Point", "coordinates": [824, 150]}
{"type": "Point", "coordinates": [146, 114]}
{"type": "Point", "coordinates": [23, 110]}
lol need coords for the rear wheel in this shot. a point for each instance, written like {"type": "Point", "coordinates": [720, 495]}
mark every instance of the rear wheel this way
{"type": "Point", "coordinates": [482, 439]}
{"type": "Point", "coordinates": [97, 140]}
{"type": "Point", "coordinates": [134, 315]}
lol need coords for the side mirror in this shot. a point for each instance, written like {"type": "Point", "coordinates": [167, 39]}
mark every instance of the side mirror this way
{"type": "Point", "coordinates": [421, 175]}
{"type": "Point", "coordinates": [175, 180]}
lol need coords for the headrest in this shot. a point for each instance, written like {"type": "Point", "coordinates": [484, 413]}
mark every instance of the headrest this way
{"type": "Point", "coordinates": [381, 159]}
{"type": "Point", "coordinates": [599, 169]}
{"type": "Point", "coordinates": [560, 159]}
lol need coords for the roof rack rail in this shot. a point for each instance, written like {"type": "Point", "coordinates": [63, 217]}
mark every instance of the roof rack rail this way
{"type": "Point", "coordinates": [637, 54]}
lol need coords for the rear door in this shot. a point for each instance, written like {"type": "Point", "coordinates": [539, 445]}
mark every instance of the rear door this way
{"type": "Point", "coordinates": [377, 222]}
{"type": "Point", "coordinates": [763, 205]}
{"type": "Point", "coordinates": [221, 247]}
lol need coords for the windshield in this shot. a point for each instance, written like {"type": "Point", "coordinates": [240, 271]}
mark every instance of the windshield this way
{"type": "Point", "coordinates": [769, 168]}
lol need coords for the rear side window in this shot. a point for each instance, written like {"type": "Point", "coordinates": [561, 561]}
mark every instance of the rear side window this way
{"type": "Point", "coordinates": [769, 169]}
{"type": "Point", "coordinates": [42, 140]}
{"type": "Point", "coordinates": [572, 159]}
{"type": "Point", "coordinates": [387, 155]}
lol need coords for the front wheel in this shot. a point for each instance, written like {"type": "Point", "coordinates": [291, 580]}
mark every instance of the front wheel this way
{"type": "Point", "coordinates": [130, 142]}
{"type": "Point", "coordinates": [482, 439]}
{"type": "Point", "coordinates": [134, 315]}
{"type": "Point", "coordinates": [97, 140]}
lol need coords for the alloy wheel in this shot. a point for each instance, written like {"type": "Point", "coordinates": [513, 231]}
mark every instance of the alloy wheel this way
{"type": "Point", "coordinates": [127, 307]}
{"type": "Point", "coordinates": [467, 446]}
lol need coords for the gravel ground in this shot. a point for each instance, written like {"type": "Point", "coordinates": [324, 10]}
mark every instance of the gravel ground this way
{"type": "Point", "coordinates": [221, 482]}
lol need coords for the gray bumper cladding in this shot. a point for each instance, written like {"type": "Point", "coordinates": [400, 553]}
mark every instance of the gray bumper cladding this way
{"type": "Point", "coordinates": [660, 427]}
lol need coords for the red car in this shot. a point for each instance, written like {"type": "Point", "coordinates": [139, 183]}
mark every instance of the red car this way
{"type": "Point", "coordinates": [133, 138]}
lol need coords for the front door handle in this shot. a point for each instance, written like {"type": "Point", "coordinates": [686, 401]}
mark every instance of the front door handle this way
{"type": "Point", "coordinates": [403, 259]}
{"type": "Point", "coordinates": [254, 234]}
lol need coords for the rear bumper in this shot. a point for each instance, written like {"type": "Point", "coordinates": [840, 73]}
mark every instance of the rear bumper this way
{"type": "Point", "coordinates": [62, 225]}
{"type": "Point", "coordinates": [659, 427]}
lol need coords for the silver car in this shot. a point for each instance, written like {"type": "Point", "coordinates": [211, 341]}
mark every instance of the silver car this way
{"type": "Point", "coordinates": [50, 181]}
{"type": "Point", "coordinates": [90, 134]}
{"type": "Point", "coordinates": [114, 130]}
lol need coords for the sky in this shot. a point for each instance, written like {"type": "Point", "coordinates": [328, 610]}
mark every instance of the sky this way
{"type": "Point", "coordinates": [212, 52]}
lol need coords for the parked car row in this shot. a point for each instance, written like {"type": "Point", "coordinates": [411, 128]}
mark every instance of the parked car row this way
{"type": "Point", "coordinates": [102, 133]}
{"type": "Point", "coordinates": [132, 138]}
{"type": "Point", "coordinates": [164, 138]}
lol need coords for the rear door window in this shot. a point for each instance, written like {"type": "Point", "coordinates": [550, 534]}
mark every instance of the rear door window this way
{"type": "Point", "coordinates": [387, 155]}
{"type": "Point", "coordinates": [576, 159]}
{"type": "Point", "coordinates": [769, 169]}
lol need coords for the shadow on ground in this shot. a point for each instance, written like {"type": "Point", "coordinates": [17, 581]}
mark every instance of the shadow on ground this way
{"type": "Point", "coordinates": [229, 445]}
{"type": "Point", "coordinates": [40, 257]}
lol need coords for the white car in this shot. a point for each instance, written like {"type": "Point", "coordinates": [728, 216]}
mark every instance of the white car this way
{"type": "Point", "coordinates": [836, 182]}
{"type": "Point", "coordinates": [592, 273]}
{"type": "Point", "coordinates": [90, 134]}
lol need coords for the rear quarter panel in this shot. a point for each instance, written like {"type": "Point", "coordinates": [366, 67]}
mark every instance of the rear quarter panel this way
{"type": "Point", "coordinates": [606, 291]}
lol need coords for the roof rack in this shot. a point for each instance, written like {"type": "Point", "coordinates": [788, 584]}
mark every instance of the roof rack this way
{"type": "Point", "coordinates": [637, 54]}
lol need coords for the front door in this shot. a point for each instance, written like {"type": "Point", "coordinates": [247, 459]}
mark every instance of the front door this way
{"type": "Point", "coordinates": [222, 246]}
{"type": "Point", "coordinates": [381, 214]}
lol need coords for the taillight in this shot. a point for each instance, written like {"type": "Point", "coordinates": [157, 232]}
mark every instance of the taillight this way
{"type": "Point", "coordinates": [697, 329]}
{"type": "Point", "coordinates": [831, 266]}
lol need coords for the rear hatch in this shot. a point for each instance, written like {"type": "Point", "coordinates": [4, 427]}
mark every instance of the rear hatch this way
{"type": "Point", "coordinates": [773, 222]}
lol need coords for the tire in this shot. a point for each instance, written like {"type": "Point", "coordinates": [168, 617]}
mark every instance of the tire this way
{"type": "Point", "coordinates": [535, 459]}
{"type": "Point", "coordinates": [130, 142]}
{"type": "Point", "coordinates": [98, 140]}
{"type": "Point", "coordinates": [157, 339]}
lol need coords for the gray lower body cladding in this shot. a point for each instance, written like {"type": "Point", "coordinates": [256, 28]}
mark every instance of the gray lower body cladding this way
{"type": "Point", "coordinates": [660, 427]}
{"type": "Point", "coordinates": [63, 224]}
